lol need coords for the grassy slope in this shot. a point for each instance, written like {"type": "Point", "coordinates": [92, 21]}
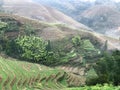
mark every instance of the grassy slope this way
{"type": "Point", "coordinates": [18, 75]}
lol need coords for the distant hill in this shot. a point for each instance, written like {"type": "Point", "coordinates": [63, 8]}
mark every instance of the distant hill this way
{"type": "Point", "coordinates": [94, 11]}
{"type": "Point", "coordinates": [39, 12]}
{"type": "Point", "coordinates": [102, 18]}
{"type": "Point", "coordinates": [72, 8]}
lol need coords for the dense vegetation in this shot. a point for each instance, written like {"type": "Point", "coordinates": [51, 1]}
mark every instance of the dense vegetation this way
{"type": "Point", "coordinates": [31, 48]}
{"type": "Point", "coordinates": [108, 68]}
{"type": "Point", "coordinates": [96, 87]}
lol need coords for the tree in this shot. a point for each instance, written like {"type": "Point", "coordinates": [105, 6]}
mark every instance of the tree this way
{"type": "Point", "coordinates": [2, 25]}
{"type": "Point", "coordinates": [31, 48]}
{"type": "Point", "coordinates": [29, 30]}
{"type": "Point", "coordinates": [76, 41]}
{"type": "Point", "coordinates": [108, 68]}
{"type": "Point", "coordinates": [2, 35]}
{"type": "Point", "coordinates": [48, 48]}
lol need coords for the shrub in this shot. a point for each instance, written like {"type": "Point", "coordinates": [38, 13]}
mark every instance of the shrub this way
{"type": "Point", "coordinates": [76, 41]}
{"type": "Point", "coordinates": [31, 47]}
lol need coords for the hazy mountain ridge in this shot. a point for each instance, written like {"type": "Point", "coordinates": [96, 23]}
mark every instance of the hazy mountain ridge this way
{"type": "Point", "coordinates": [103, 14]}
{"type": "Point", "coordinates": [70, 7]}
{"type": "Point", "coordinates": [40, 12]}
{"type": "Point", "coordinates": [101, 17]}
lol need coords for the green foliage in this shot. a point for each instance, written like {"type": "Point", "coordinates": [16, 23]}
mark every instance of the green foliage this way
{"type": "Point", "coordinates": [91, 77]}
{"type": "Point", "coordinates": [29, 30]}
{"type": "Point", "coordinates": [76, 41]}
{"type": "Point", "coordinates": [31, 48]}
{"type": "Point", "coordinates": [2, 25]}
{"type": "Point", "coordinates": [11, 24]}
{"type": "Point", "coordinates": [48, 48]}
{"type": "Point", "coordinates": [2, 35]}
{"type": "Point", "coordinates": [84, 47]}
{"type": "Point", "coordinates": [88, 46]}
{"type": "Point", "coordinates": [97, 87]}
{"type": "Point", "coordinates": [108, 68]}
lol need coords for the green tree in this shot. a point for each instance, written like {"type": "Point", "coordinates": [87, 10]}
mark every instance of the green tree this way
{"type": "Point", "coordinates": [76, 41]}
{"type": "Point", "coordinates": [108, 68]}
{"type": "Point", "coordinates": [29, 30]}
{"type": "Point", "coordinates": [48, 48]}
{"type": "Point", "coordinates": [2, 35]}
{"type": "Point", "coordinates": [2, 26]}
{"type": "Point", "coordinates": [105, 47]}
{"type": "Point", "coordinates": [31, 48]}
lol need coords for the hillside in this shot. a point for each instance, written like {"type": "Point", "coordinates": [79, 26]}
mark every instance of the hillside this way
{"type": "Point", "coordinates": [57, 31]}
{"type": "Point", "coordinates": [100, 15]}
{"type": "Point", "coordinates": [70, 54]}
{"type": "Point", "coordinates": [20, 75]}
{"type": "Point", "coordinates": [72, 8]}
{"type": "Point", "coordinates": [39, 12]}
{"type": "Point", "coordinates": [103, 19]}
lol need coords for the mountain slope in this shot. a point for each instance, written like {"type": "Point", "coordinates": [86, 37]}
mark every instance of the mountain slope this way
{"type": "Point", "coordinates": [57, 31]}
{"type": "Point", "coordinates": [72, 8]}
{"type": "Point", "coordinates": [102, 18]}
{"type": "Point", "coordinates": [100, 15]}
{"type": "Point", "coordinates": [39, 12]}
{"type": "Point", "coordinates": [57, 34]}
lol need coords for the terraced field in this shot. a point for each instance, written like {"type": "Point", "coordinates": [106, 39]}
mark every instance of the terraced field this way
{"type": "Point", "coordinates": [20, 75]}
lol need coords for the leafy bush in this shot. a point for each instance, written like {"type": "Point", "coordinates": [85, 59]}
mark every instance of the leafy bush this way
{"type": "Point", "coordinates": [2, 25]}
{"type": "Point", "coordinates": [11, 24]}
{"type": "Point", "coordinates": [31, 48]}
{"type": "Point", "coordinates": [76, 41]}
{"type": "Point", "coordinates": [87, 45]}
